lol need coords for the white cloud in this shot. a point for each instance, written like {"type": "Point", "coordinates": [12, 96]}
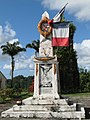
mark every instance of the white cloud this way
{"type": "Point", "coordinates": [21, 62]}
{"type": "Point", "coordinates": [7, 66]}
{"type": "Point", "coordinates": [13, 40]}
{"type": "Point", "coordinates": [83, 52]}
{"type": "Point", "coordinates": [79, 8]}
{"type": "Point", "coordinates": [24, 63]}
{"type": "Point", "coordinates": [6, 33]}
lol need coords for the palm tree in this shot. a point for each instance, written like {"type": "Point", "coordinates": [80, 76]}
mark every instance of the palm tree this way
{"type": "Point", "coordinates": [12, 50]}
{"type": "Point", "coordinates": [34, 45]}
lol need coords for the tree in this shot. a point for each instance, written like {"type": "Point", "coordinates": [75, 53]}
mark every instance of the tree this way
{"type": "Point", "coordinates": [34, 45]}
{"type": "Point", "coordinates": [31, 87]}
{"type": "Point", "coordinates": [12, 50]}
{"type": "Point", "coordinates": [84, 80]}
{"type": "Point", "coordinates": [21, 82]}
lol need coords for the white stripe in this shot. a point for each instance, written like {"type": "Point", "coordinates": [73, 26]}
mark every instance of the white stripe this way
{"type": "Point", "coordinates": [60, 32]}
{"type": "Point", "coordinates": [57, 19]}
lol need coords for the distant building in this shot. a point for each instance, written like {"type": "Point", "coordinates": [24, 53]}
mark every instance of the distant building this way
{"type": "Point", "coordinates": [3, 80]}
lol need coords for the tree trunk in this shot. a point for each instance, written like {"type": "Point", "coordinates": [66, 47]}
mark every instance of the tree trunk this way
{"type": "Point", "coordinates": [12, 70]}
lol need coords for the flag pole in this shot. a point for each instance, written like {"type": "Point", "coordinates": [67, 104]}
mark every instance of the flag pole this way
{"type": "Point", "coordinates": [60, 10]}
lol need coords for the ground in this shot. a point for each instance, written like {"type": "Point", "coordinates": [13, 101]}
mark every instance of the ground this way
{"type": "Point", "coordinates": [85, 100]}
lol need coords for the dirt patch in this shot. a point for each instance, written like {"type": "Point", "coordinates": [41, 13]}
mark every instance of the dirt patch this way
{"type": "Point", "coordinates": [6, 106]}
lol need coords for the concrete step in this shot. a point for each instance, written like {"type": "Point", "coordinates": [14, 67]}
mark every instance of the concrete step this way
{"type": "Point", "coordinates": [33, 114]}
{"type": "Point", "coordinates": [44, 101]}
{"type": "Point", "coordinates": [44, 108]}
{"type": "Point", "coordinates": [29, 108]}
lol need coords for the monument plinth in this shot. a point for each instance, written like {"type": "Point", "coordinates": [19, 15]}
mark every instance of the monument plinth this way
{"type": "Point", "coordinates": [46, 102]}
{"type": "Point", "coordinates": [46, 64]}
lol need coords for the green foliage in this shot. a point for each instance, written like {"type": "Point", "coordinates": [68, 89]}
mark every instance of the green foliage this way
{"type": "Point", "coordinates": [16, 92]}
{"type": "Point", "coordinates": [9, 92]}
{"type": "Point", "coordinates": [2, 100]}
{"type": "Point", "coordinates": [85, 94]}
{"type": "Point", "coordinates": [19, 90]}
{"type": "Point", "coordinates": [8, 99]}
{"type": "Point", "coordinates": [21, 85]}
{"type": "Point", "coordinates": [31, 87]}
{"type": "Point", "coordinates": [84, 80]}
{"type": "Point", "coordinates": [6, 95]}
{"type": "Point", "coordinates": [34, 45]}
{"type": "Point", "coordinates": [2, 96]}
{"type": "Point", "coordinates": [22, 82]}
{"type": "Point", "coordinates": [12, 49]}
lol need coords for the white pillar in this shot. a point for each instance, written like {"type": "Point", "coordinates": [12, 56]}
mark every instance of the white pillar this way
{"type": "Point", "coordinates": [55, 80]}
{"type": "Point", "coordinates": [36, 81]}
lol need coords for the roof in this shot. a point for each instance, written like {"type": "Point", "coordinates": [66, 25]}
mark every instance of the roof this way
{"type": "Point", "coordinates": [3, 75]}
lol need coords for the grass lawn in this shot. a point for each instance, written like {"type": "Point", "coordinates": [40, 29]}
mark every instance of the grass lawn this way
{"type": "Point", "coordinates": [78, 95]}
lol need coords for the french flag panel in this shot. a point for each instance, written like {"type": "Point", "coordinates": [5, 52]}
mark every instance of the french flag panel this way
{"type": "Point", "coordinates": [60, 34]}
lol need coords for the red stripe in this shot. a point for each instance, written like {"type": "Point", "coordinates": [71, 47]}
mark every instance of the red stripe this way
{"type": "Point", "coordinates": [60, 41]}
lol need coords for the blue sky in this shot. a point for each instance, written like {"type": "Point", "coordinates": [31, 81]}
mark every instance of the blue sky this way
{"type": "Point", "coordinates": [19, 20]}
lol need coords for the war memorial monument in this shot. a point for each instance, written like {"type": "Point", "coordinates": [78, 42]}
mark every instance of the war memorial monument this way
{"type": "Point", "coordinates": [46, 102]}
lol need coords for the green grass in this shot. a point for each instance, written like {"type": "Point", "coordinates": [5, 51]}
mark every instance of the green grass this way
{"type": "Point", "coordinates": [14, 96]}
{"type": "Point", "coordinates": [8, 99]}
{"type": "Point", "coordinates": [27, 95]}
{"type": "Point", "coordinates": [78, 94]}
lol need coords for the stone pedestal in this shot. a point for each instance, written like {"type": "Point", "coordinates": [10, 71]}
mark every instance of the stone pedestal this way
{"type": "Point", "coordinates": [45, 108]}
{"type": "Point", "coordinates": [46, 79]}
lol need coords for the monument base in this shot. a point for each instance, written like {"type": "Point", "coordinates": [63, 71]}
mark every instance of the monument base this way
{"type": "Point", "coordinates": [45, 109]}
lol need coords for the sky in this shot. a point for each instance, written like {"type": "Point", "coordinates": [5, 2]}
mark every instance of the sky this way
{"type": "Point", "coordinates": [19, 20]}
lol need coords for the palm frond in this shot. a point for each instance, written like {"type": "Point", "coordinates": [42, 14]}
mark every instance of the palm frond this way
{"type": "Point", "coordinates": [34, 45]}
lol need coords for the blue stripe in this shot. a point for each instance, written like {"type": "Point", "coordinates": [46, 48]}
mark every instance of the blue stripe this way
{"type": "Point", "coordinates": [60, 25]}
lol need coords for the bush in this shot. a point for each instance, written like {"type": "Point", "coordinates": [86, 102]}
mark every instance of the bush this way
{"type": "Point", "coordinates": [8, 99]}
{"type": "Point", "coordinates": [31, 87]}
{"type": "Point", "coordinates": [1, 100]}
{"type": "Point", "coordinates": [6, 94]}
